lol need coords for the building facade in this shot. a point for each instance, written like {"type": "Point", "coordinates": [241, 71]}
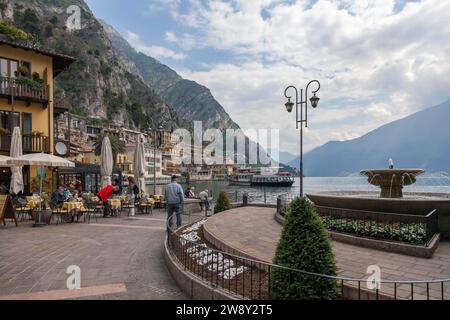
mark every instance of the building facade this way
{"type": "Point", "coordinates": [26, 100]}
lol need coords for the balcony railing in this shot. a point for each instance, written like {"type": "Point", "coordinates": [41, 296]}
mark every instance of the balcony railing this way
{"type": "Point", "coordinates": [10, 88]}
{"type": "Point", "coordinates": [30, 143]}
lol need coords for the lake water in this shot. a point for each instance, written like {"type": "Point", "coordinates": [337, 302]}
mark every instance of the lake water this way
{"type": "Point", "coordinates": [428, 183]}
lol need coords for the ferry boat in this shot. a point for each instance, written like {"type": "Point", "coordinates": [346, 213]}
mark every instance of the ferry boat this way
{"type": "Point", "coordinates": [269, 177]}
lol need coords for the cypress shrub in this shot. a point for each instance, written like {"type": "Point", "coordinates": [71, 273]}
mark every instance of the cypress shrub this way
{"type": "Point", "coordinates": [304, 245]}
{"type": "Point", "coordinates": [223, 203]}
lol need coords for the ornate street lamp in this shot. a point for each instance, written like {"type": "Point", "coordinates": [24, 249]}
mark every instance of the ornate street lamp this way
{"type": "Point", "coordinates": [301, 119]}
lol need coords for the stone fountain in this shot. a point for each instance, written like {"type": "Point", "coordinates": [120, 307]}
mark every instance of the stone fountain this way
{"type": "Point", "coordinates": [391, 200]}
{"type": "Point", "coordinates": [391, 181]}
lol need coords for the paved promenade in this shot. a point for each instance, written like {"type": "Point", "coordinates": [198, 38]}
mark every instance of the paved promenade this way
{"type": "Point", "coordinates": [254, 232]}
{"type": "Point", "coordinates": [120, 258]}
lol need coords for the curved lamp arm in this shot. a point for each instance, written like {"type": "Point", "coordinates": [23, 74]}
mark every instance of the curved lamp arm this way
{"type": "Point", "coordinates": [296, 100]}
{"type": "Point", "coordinates": [306, 98]}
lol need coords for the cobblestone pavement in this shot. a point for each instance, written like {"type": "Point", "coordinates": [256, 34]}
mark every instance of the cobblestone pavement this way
{"type": "Point", "coordinates": [253, 231]}
{"type": "Point", "coordinates": [120, 258]}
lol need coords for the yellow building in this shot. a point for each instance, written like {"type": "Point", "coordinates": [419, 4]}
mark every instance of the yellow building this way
{"type": "Point", "coordinates": [26, 99]}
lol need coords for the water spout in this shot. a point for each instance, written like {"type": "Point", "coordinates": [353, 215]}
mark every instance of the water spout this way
{"type": "Point", "coordinates": [392, 184]}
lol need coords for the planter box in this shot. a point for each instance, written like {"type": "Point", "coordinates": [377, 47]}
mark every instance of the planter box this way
{"type": "Point", "coordinates": [44, 215]}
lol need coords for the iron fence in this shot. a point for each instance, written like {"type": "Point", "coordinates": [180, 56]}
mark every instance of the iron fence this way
{"type": "Point", "coordinates": [251, 279]}
{"type": "Point", "coordinates": [405, 228]}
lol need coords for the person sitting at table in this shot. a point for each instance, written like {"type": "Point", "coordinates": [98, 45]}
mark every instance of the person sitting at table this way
{"type": "Point", "coordinates": [58, 196]}
{"type": "Point", "coordinates": [104, 196]}
{"type": "Point", "coordinates": [66, 193]}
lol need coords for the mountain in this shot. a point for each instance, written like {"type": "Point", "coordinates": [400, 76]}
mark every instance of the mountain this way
{"type": "Point", "coordinates": [98, 83]}
{"type": "Point", "coordinates": [192, 101]}
{"type": "Point", "coordinates": [421, 140]}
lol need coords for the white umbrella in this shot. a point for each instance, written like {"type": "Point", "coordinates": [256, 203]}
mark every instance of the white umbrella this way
{"type": "Point", "coordinates": [139, 165]}
{"type": "Point", "coordinates": [40, 160]}
{"type": "Point", "coordinates": [106, 162]}
{"type": "Point", "coordinates": [16, 171]}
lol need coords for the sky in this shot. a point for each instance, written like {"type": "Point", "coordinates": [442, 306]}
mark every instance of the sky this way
{"type": "Point", "coordinates": [377, 60]}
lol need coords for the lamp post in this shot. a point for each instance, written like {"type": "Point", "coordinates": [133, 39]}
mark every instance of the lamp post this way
{"type": "Point", "coordinates": [156, 145]}
{"type": "Point", "coordinates": [301, 119]}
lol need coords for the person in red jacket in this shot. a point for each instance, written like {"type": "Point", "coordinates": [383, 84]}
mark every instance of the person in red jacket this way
{"type": "Point", "coordinates": [104, 196]}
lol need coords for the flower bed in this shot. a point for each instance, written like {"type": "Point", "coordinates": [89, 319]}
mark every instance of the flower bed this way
{"type": "Point", "coordinates": [412, 233]}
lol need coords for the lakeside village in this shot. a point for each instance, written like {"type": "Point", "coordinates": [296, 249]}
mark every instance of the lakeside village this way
{"type": "Point", "coordinates": [47, 126]}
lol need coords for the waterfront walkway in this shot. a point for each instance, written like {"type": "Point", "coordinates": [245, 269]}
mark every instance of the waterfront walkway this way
{"type": "Point", "coordinates": [120, 258]}
{"type": "Point", "coordinates": [253, 232]}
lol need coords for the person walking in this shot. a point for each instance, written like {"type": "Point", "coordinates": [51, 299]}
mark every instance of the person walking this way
{"type": "Point", "coordinates": [204, 198]}
{"type": "Point", "coordinates": [175, 197]}
{"type": "Point", "coordinates": [104, 196]}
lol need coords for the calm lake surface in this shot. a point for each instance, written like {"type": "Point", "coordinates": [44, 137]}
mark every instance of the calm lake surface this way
{"type": "Point", "coordinates": [425, 183]}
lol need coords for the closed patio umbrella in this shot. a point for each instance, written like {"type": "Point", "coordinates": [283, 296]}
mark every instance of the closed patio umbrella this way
{"type": "Point", "coordinates": [139, 165]}
{"type": "Point", "coordinates": [106, 162]}
{"type": "Point", "coordinates": [16, 171]}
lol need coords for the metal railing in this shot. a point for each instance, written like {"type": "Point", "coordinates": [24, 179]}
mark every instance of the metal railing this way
{"type": "Point", "coordinates": [251, 279]}
{"type": "Point", "coordinates": [11, 87]}
{"type": "Point", "coordinates": [411, 229]}
{"type": "Point", "coordinates": [405, 228]}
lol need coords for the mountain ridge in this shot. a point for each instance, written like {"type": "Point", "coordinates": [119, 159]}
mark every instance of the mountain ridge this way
{"type": "Point", "coordinates": [418, 140]}
{"type": "Point", "coordinates": [97, 84]}
{"type": "Point", "coordinates": [191, 100]}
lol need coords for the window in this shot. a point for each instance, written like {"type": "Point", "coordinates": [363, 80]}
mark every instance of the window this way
{"type": "Point", "coordinates": [8, 68]}
{"type": "Point", "coordinates": [26, 124]}
{"type": "Point", "coordinates": [9, 120]}
{"type": "Point", "coordinates": [93, 130]}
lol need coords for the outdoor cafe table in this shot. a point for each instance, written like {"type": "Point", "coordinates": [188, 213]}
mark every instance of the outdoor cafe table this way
{"type": "Point", "coordinates": [116, 203]}
{"type": "Point", "coordinates": [71, 206]}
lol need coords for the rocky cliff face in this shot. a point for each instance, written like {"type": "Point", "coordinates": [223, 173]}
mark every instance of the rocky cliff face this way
{"type": "Point", "coordinates": [192, 101]}
{"type": "Point", "coordinates": [98, 83]}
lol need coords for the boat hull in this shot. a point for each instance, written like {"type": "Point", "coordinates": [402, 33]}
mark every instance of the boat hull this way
{"type": "Point", "coordinates": [273, 184]}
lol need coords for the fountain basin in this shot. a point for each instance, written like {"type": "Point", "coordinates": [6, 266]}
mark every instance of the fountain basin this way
{"type": "Point", "coordinates": [391, 181]}
{"type": "Point", "coordinates": [411, 203]}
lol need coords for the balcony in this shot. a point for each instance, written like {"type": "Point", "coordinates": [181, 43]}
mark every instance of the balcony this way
{"type": "Point", "coordinates": [9, 87]}
{"type": "Point", "coordinates": [30, 143]}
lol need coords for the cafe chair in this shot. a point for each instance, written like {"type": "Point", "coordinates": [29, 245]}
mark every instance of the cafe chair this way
{"type": "Point", "coordinates": [90, 211]}
{"type": "Point", "coordinates": [58, 212]}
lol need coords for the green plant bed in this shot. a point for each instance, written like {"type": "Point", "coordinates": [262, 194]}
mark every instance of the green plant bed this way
{"type": "Point", "coordinates": [411, 233]}
{"type": "Point", "coordinates": [33, 84]}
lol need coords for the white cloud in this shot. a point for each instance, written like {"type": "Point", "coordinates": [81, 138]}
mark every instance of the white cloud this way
{"type": "Point", "coordinates": [375, 64]}
{"type": "Point", "coordinates": [153, 51]}
{"type": "Point", "coordinates": [171, 37]}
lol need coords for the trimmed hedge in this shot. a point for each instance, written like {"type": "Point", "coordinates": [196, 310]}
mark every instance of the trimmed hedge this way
{"type": "Point", "coordinates": [223, 203]}
{"type": "Point", "coordinates": [304, 245]}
